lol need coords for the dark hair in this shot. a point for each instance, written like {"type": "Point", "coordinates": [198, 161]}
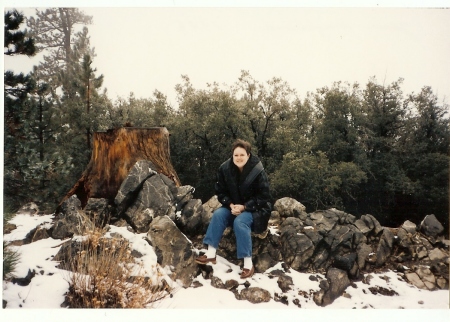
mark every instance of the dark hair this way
{"type": "Point", "coordinates": [241, 144]}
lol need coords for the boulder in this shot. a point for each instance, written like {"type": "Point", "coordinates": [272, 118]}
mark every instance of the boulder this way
{"type": "Point", "coordinates": [183, 196]}
{"type": "Point", "coordinates": [190, 219]}
{"type": "Point", "coordinates": [139, 173]}
{"type": "Point", "coordinates": [363, 252]}
{"type": "Point", "coordinates": [254, 295]}
{"type": "Point", "coordinates": [98, 210]}
{"type": "Point", "coordinates": [385, 246]}
{"type": "Point", "coordinates": [174, 251]}
{"type": "Point", "coordinates": [324, 221]}
{"type": "Point", "coordinates": [296, 248]}
{"type": "Point", "coordinates": [409, 227]}
{"type": "Point", "coordinates": [208, 209]}
{"type": "Point", "coordinates": [289, 207]}
{"type": "Point", "coordinates": [153, 200]}
{"type": "Point", "coordinates": [437, 255]}
{"type": "Point", "coordinates": [334, 286]}
{"type": "Point", "coordinates": [430, 226]}
{"type": "Point", "coordinates": [70, 220]}
{"type": "Point", "coordinates": [28, 209]}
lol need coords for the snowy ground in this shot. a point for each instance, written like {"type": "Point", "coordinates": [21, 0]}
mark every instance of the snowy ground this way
{"type": "Point", "coordinates": [47, 288]}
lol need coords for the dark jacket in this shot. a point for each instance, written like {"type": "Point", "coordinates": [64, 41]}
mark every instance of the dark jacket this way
{"type": "Point", "coordinates": [248, 188]}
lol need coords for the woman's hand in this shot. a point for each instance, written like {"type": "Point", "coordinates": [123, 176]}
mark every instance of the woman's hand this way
{"type": "Point", "coordinates": [237, 209]}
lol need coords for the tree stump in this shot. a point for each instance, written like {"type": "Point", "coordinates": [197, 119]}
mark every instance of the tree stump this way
{"type": "Point", "coordinates": [114, 153]}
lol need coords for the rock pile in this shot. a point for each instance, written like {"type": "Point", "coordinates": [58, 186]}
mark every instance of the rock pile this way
{"type": "Point", "coordinates": [331, 241]}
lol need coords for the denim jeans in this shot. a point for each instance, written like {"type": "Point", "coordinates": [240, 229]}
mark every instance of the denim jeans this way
{"type": "Point", "coordinates": [223, 218]}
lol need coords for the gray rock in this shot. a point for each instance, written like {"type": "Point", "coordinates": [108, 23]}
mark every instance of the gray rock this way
{"type": "Point", "coordinates": [183, 195]}
{"type": "Point", "coordinates": [362, 226]}
{"type": "Point", "coordinates": [331, 288]}
{"type": "Point", "coordinates": [289, 207]}
{"type": "Point", "coordinates": [98, 210]}
{"type": "Point", "coordinates": [153, 200]}
{"type": "Point", "coordinates": [139, 173]}
{"type": "Point", "coordinates": [324, 220]}
{"type": "Point", "coordinates": [363, 252]}
{"type": "Point", "coordinates": [430, 226]}
{"type": "Point", "coordinates": [437, 255]}
{"type": "Point", "coordinates": [254, 295]}
{"type": "Point", "coordinates": [296, 248]}
{"type": "Point", "coordinates": [427, 277]}
{"type": "Point", "coordinates": [415, 280]}
{"type": "Point", "coordinates": [70, 220]}
{"type": "Point", "coordinates": [173, 250]}
{"type": "Point", "coordinates": [190, 219]}
{"type": "Point", "coordinates": [385, 246]}
{"type": "Point", "coordinates": [208, 209]}
{"type": "Point", "coordinates": [285, 282]}
{"type": "Point", "coordinates": [409, 227]}
{"type": "Point", "coordinates": [29, 209]}
{"type": "Point", "coordinates": [345, 262]}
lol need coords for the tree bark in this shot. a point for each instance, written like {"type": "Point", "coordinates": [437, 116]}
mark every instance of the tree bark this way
{"type": "Point", "coordinates": [113, 155]}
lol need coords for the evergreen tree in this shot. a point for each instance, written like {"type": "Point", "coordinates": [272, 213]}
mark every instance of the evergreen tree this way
{"type": "Point", "coordinates": [16, 103]}
{"type": "Point", "coordinates": [387, 181]}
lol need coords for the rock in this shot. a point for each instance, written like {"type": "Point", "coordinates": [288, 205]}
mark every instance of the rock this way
{"type": "Point", "coordinates": [190, 220]}
{"type": "Point", "coordinates": [430, 226]}
{"type": "Point", "coordinates": [217, 282]}
{"type": "Point", "coordinates": [139, 173]}
{"type": "Point", "coordinates": [29, 209]}
{"type": "Point", "coordinates": [173, 250]}
{"type": "Point", "coordinates": [385, 245]}
{"type": "Point", "coordinates": [70, 220]}
{"type": "Point", "coordinates": [345, 262]}
{"type": "Point", "coordinates": [296, 248]}
{"type": "Point", "coordinates": [437, 255]}
{"type": "Point", "coordinates": [363, 252]}
{"type": "Point", "coordinates": [331, 288]}
{"type": "Point", "coordinates": [285, 282]}
{"type": "Point", "coordinates": [289, 207]}
{"type": "Point", "coordinates": [98, 210]}
{"type": "Point", "coordinates": [8, 228]}
{"type": "Point", "coordinates": [24, 281]}
{"type": "Point", "coordinates": [409, 227]}
{"type": "Point", "coordinates": [427, 277]}
{"type": "Point", "coordinates": [324, 220]}
{"type": "Point", "coordinates": [254, 295]}
{"type": "Point", "coordinates": [153, 200]}
{"type": "Point", "coordinates": [183, 196]}
{"type": "Point", "coordinates": [415, 280]}
{"type": "Point", "coordinates": [362, 226]}
{"type": "Point", "coordinates": [208, 209]}
{"type": "Point", "coordinates": [40, 233]}
{"type": "Point", "coordinates": [442, 283]}
{"type": "Point", "coordinates": [373, 223]}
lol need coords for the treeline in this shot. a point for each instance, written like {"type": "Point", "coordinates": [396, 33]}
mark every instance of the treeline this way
{"type": "Point", "coordinates": [363, 149]}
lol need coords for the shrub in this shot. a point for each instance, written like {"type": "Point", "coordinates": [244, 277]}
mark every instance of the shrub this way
{"type": "Point", "coordinates": [10, 257]}
{"type": "Point", "coordinates": [105, 275]}
{"type": "Point", "coordinates": [10, 260]}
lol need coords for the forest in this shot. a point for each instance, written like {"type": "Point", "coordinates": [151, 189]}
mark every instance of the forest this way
{"type": "Point", "coordinates": [362, 148]}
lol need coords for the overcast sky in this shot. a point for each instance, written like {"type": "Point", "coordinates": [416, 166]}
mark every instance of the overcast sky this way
{"type": "Point", "coordinates": [147, 48]}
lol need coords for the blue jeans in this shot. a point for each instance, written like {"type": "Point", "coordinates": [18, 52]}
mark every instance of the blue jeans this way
{"type": "Point", "coordinates": [223, 218]}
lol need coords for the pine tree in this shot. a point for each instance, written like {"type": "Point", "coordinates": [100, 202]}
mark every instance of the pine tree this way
{"type": "Point", "coordinates": [16, 104]}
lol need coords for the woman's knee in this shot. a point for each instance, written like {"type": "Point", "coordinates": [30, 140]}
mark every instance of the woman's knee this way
{"type": "Point", "coordinates": [242, 222]}
{"type": "Point", "coordinates": [221, 214]}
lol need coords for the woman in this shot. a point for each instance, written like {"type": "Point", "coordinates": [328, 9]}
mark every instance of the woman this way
{"type": "Point", "coordinates": [242, 188]}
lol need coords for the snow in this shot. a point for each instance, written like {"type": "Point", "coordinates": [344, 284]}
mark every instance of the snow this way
{"type": "Point", "coordinates": [206, 303]}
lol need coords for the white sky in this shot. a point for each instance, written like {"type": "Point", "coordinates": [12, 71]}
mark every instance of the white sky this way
{"type": "Point", "coordinates": [146, 48]}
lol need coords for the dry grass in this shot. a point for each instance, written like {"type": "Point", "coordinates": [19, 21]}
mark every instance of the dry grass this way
{"type": "Point", "coordinates": [105, 275]}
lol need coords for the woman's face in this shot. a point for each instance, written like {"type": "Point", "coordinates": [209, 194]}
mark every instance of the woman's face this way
{"type": "Point", "coordinates": [240, 157]}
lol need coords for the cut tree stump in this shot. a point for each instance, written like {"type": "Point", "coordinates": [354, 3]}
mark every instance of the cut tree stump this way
{"type": "Point", "coordinates": [113, 155]}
